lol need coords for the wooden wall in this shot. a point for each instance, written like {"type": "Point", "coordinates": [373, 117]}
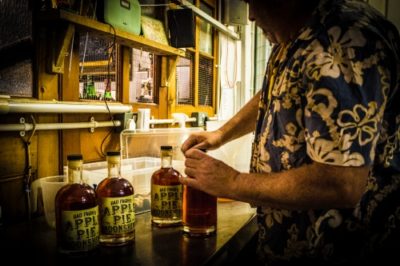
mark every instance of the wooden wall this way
{"type": "Point", "coordinates": [22, 164]}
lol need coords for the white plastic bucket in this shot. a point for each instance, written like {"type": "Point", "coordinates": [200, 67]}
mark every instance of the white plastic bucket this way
{"type": "Point", "coordinates": [50, 186]}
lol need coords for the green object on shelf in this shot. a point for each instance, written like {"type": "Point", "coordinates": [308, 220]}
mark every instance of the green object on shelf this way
{"type": "Point", "coordinates": [90, 88]}
{"type": "Point", "coordinates": [107, 95]}
{"type": "Point", "coordinates": [123, 14]}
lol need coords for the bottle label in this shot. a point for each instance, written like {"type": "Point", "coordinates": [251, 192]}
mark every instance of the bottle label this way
{"type": "Point", "coordinates": [81, 229]}
{"type": "Point", "coordinates": [117, 215]}
{"type": "Point", "coordinates": [166, 201]}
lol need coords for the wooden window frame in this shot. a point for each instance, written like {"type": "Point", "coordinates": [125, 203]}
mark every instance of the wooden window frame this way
{"type": "Point", "coordinates": [196, 107]}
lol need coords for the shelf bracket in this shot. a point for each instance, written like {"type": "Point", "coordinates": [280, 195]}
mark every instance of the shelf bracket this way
{"type": "Point", "coordinates": [61, 40]}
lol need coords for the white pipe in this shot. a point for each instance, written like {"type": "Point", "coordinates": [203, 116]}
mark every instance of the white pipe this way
{"type": "Point", "coordinates": [191, 119]}
{"type": "Point", "coordinates": [170, 121]}
{"type": "Point", "coordinates": [54, 126]}
{"type": "Point", "coordinates": [221, 27]}
{"type": "Point", "coordinates": [161, 121]}
{"type": "Point", "coordinates": [61, 107]}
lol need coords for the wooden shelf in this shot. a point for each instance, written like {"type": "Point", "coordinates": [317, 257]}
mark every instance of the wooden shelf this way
{"type": "Point", "coordinates": [122, 37]}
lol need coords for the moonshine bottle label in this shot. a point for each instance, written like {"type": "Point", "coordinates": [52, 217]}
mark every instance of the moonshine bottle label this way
{"type": "Point", "coordinates": [166, 201]}
{"type": "Point", "coordinates": [81, 229]}
{"type": "Point", "coordinates": [118, 215]}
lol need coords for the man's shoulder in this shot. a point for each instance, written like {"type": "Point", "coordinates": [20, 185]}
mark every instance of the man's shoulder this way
{"type": "Point", "coordinates": [340, 21]}
{"type": "Point", "coordinates": [350, 15]}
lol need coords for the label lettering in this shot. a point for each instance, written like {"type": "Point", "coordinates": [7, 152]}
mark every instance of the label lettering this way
{"type": "Point", "coordinates": [118, 215]}
{"type": "Point", "coordinates": [166, 201]}
{"type": "Point", "coordinates": [80, 229]}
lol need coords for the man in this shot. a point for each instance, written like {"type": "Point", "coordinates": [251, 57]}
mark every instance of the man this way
{"type": "Point", "coordinates": [325, 162]}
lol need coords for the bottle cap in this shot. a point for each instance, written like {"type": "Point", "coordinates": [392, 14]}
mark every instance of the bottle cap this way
{"type": "Point", "coordinates": [164, 147]}
{"type": "Point", "coordinates": [74, 157]}
{"type": "Point", "coordinates": [113, 153]}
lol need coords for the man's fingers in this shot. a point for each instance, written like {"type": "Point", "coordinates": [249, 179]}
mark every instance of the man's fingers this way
{"type": "Point", "coordinates": [189, 171]}
{"type": "Point", "coordinates": [185, 180]}
{"type": "Point", "coordinates": [194, 154]}
{"type": "Point", "coordinates": [188, 144]}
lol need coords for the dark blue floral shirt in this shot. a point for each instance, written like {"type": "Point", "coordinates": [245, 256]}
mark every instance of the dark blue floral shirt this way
{"type": "Point", "coordinates": [332, 96]}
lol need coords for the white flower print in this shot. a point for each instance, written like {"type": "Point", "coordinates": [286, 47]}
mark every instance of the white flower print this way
{"type": "Point", "coordinates": [360, 123]}
{"type": "Point", "coordinates": [324, 108]}
{"type": "Point", "coordinates": [337, 58]}
{"type": "Point", "coordinates": [325, 151]}
{"type": "Point", "coordinates": [273, 216]}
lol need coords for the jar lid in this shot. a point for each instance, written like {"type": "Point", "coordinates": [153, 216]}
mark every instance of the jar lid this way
{"type": "Point", "coordinates": [74, 157]}
{"type": "Point", "coordinates": [113, 153]}
{"type": "Point", "coordinates": [165, 147]}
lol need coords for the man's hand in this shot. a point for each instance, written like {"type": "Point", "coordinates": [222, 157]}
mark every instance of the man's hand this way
{"type": "Point", "coordinates": [208, 174]}
{"type": "Point", "coordinates": [310, 186]}
{"type": "Point", "coordinates": [208, 140]}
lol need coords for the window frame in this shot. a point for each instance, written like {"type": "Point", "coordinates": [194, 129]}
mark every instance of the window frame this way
{"type": "Point", "coordinates": [196, 107]}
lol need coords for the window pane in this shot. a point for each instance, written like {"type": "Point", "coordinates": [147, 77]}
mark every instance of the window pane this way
{"type": "Point", "coordinates": [205, 81]}
{"type": "Point", "coordinates": [97, 68]}
{"type": "Point", "coordinates": [16, 48]}
{"type": "Point", "coordinates": [262, 52]}
{"type": "Point", "coordinates": [206, 36]}
{"type": "Point", "coordinates": [141, 83]}
{"type": "Point", "coordinates": [184, 80]}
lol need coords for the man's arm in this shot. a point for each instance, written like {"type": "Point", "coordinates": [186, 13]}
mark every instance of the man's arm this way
{"type": "Point", "coordinates": [243, 122]}
{"type": "Point", "coordinates": [312, 186]}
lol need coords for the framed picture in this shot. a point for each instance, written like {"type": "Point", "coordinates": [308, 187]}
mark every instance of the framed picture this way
{"type": "Point", "coordinates": [153, 29]}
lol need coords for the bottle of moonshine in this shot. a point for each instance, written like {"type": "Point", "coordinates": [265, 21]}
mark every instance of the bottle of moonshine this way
{"type": "Point", "coordinates": [117, 206]}
{"type": "Point", "coordinates": [166, 192]}
{"type": "Point", "coordinates": [77, 212]}
{"type": "Point", "coordinates": [199, 212]}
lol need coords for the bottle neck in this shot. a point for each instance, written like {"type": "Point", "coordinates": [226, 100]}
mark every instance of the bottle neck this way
{"type": "Point", "coordinates": [114, 166]}
{"type": "Point", "coordinates": [166, 159]}
{"type": "Point", "coordinates": [75, 172]}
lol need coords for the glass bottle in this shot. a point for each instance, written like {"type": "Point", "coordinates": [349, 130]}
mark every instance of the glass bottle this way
{"type": "Point", "coordinates": [166, 192]}
{"type": "Point", "coordinates": [117, 205]}
{"type": "Point", "coordinates": [199, 212]}
{"type": "Point", "coordinates": [77, 212]}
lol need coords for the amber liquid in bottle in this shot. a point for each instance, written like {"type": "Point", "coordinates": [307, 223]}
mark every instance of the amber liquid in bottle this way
{"type": "Point", "coordinates": [166, 192]}
{"type": "Point", "coordinates": [77, 213]}
{"type": "Point", "coordinates": [199, 213]}
{"type": "Point", "coordinates": [117, 205]}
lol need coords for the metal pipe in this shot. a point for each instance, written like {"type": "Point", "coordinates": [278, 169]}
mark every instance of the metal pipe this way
{"type": "Point", "coordinates": [54, 126]}
{"type": "Point", "coordinates": [11, 106]}
{"type": "Point", "coordinates": [221, 27]}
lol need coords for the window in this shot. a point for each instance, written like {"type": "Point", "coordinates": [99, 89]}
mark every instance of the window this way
{"type": "Point", "coordinates": [206, 81]}
{"type": "Point", "coordinates": [97, 68]}
{"type": "Point", "coordinates": [16, 49]}
{"type": "Point", "coordinates": [184, 80]}
{"type": "Point", "coordinates": [141, 81]}
{"type": "Point", "coordinates": [206, 36]}
{"type": "Point", "coordinates": [261, 55]}
{"type": "Point", "coordinates": [195, 87]}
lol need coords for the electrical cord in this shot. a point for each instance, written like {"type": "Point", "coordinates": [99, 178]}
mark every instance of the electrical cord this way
{"type": "Point", "coordinates": [108, 85]}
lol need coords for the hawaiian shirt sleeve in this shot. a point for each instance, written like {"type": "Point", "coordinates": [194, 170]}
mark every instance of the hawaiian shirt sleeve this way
{"type": "Point", "coordinates": [346, 84]}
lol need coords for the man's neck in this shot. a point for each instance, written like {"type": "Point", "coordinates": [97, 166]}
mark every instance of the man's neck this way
{"type": "Point", "coordinates": [294, 16]}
